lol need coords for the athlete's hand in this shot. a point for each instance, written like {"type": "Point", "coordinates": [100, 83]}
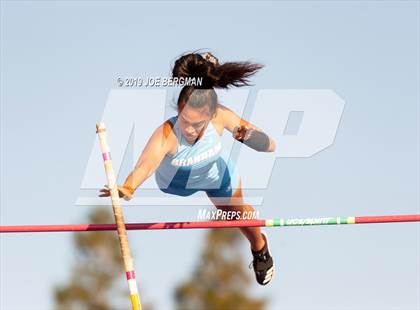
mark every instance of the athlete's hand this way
{"type": "Point", "coordinates": [123, 192]}
{"type": "Point", "coordinates": [254, 137]}
{"type": "Point", "coordinates": [242, 133]}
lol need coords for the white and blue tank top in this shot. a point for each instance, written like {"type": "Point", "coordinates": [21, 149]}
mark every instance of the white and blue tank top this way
{"type": "Point", "coordinates": [198, 166]}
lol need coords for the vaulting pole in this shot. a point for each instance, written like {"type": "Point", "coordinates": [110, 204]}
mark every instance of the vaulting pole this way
{"type": "Point", "coordinates": [119, 218]}
{"type": "Point", "coordinates": [218, 224]}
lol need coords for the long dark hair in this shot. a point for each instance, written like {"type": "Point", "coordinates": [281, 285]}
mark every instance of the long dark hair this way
{"type": "Point", "coordinates": [213, 75]}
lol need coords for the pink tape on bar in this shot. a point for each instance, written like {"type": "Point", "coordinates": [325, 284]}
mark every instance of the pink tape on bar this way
{"type": "Point", "coordinates": [106, 156]}
{"type": "Point", "coordinates": [130, 275]}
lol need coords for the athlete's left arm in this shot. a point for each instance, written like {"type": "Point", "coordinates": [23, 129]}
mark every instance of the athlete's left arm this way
{"type": "Point", "coordinates": [244, 131]}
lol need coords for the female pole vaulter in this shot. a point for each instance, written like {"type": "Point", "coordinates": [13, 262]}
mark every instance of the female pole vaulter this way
{"type": "Point", "coordinates": [184, 152]}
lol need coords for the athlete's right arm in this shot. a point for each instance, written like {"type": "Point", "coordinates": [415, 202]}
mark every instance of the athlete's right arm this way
{"type": "Point", "coordinates": [159, 144]}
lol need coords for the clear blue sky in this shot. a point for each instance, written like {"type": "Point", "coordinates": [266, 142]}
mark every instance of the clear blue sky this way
{"type": "Point", "coordinates": [59, 61]}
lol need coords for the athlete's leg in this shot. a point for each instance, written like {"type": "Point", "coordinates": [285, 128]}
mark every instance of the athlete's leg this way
{"type": "Point", "coordinates": [236, 203]}
{"type": "Point", "coordinates": [262, 262]}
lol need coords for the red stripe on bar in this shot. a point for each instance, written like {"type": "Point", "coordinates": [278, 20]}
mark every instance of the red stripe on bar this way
{"type": "Point", "coordinates": [387, 218]}
{"type": "Point", "coordinates": [133, 226]}
{"type": "Point", "coordinates": [106, 156]}
{"type": "Point", "coordinates": [130, 275]}
{"type": "Point", "coordinates": [187, 225]}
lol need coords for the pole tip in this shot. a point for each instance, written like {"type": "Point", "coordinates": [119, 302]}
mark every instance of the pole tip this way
{"type": "Point", "coordinates": [100, 127]}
